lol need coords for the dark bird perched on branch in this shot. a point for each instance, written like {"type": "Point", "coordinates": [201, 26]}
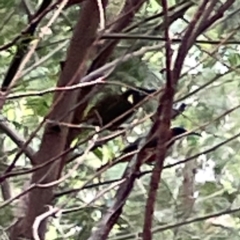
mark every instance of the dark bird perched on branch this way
{"type": "Point", "coordinates": [150, 147]}
{"type": "Point", "coordinates": [119, 108]}
{"type": "Point", "coordinates": [116, 107]}
{"type": "Point", "coordinates": [175, 112]}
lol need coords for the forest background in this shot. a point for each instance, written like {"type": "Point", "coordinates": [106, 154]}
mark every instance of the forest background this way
{"type": "Point", "coordinates": [188, 50]}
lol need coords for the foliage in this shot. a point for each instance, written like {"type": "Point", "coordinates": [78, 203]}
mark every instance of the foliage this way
{"type": "Point", "coordinates": [209, 85]}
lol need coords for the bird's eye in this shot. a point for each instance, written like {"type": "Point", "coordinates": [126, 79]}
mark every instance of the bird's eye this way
{"type": "Point", "coordinates": [130, 99]}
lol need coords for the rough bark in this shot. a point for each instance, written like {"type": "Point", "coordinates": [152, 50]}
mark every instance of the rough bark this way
{"type": "Point", "coordinates": [54, 138]}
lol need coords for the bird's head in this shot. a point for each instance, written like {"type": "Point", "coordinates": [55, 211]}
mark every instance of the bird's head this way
{"type": "Point", "coordinates": [139, 94]}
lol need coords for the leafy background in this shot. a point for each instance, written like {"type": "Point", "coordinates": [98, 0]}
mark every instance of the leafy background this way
{"type": "Point", "coordinates": [207, 184]}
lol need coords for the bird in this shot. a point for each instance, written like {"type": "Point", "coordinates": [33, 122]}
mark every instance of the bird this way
{"type": "Point", "coordinates": [116, 106]}
{"type": "Point", "coordinates": [150, 147]}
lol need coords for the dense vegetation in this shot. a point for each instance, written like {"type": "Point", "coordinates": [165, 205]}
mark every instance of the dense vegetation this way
{"type": "Point", "coordinates": [59, 59]}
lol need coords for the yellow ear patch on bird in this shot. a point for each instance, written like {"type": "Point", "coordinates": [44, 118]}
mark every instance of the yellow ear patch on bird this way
{"type": "Point", "coordinates": [130, 99]}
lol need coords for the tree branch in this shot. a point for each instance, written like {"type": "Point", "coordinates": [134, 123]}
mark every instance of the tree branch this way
{"type": "Point", "coordinates": [161, 125]}
{"type": "Point", "coordinates": [17, 139]}
{"type": "Point", "coordinates": [54, 137]}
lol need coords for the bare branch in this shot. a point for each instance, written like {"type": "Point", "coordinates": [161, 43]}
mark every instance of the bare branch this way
{"type": "Point", "coordinates": [161, 126]}
{"type": "Point", "coordinates": [180, 224]}
{"type": "Point", "coordinates": [17, 139]}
